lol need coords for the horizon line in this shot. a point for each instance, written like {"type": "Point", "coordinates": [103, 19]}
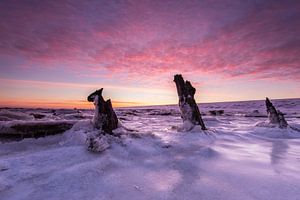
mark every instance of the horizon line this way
{"type": "Point", "coordinates": [139, 106]}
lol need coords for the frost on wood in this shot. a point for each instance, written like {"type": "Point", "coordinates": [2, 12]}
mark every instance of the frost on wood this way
{"type": "Point", "coordinates": [275, 117]}
{"type": "Point", "coordinates": [187, 104]}
{"type": "Point", "coordinates": [105, 118]}
{"type": "Point", "coordinates": [97, 144]}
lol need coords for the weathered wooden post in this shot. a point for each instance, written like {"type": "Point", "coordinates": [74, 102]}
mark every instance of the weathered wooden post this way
{"type": "Point", "coordinates": [187, 104]}
{"type": "Point", "coordinates": [105, 117]}
{"type": "Point", "coordinates": [275, 117]}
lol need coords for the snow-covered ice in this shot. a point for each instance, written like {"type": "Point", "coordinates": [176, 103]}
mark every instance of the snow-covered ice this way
{"type": "Point", "coordinates": [237, 158]}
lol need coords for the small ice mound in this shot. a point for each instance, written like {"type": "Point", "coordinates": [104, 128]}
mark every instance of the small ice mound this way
{"type": "Point", "coordinates": [192, 139]}
{"type": "Point", "coordinates": [267, 124]}
{"type": "Point", "coordinates": [85, 125]}
{"type": "Point", "coordinates": [192, 128]}
{"type": "Point", "coordinates": [186, 126]}
{"type": "Point", "coordinates": [7, 115]}
{"type": "Point", "coordinates": [83, 133]}
{"type": "Point", "coordinates": [125, 133]}
{"type": "Point", "coordinates": [97, 143]}
{"type": "Point", "coordinates": [196, 129]}
{"type": "Point", "coordinates": [74, 138]}
{"type": "Point", "coordinates": [120, 131]}
{"type": "Point", "coordinates": [77, 135]}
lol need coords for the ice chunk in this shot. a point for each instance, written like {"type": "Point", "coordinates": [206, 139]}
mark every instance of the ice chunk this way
{"type": "Point", "coordinates": [97, 144]}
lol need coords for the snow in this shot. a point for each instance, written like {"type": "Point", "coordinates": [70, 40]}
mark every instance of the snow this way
{"type": "Point", "coordinates": [239, 157]}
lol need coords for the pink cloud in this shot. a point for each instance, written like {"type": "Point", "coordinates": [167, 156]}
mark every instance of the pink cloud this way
{"type": "Point", "coordinates": [147, 39]}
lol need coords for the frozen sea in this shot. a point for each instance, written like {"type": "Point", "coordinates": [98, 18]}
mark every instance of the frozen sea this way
{"type": "Point", "coordinates": [236, 158]}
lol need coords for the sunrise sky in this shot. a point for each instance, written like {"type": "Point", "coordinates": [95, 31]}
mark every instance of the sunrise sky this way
{"type": "Point", "coordinates": [55, 53]}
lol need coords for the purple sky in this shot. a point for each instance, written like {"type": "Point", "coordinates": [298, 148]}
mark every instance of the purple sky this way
{"type": "Point", "coordinates": [54, 53]}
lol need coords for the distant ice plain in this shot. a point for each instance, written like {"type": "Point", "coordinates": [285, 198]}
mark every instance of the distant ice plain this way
{"type": "Point", "coordinates": [235, 159]}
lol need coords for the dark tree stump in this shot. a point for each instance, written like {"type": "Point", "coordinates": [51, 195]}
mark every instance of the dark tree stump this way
{"type": "Point", "coordinates": [187, 104]}
{"type": "Point", "coordinates": [275, 117]}
{"type": "Point", "coordinates": [105, 117]}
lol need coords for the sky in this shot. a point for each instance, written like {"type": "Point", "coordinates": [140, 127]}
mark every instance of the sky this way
{"type": "Point", "coordinates": [55, 53]}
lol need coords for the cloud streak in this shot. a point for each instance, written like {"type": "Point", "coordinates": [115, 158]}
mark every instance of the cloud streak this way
{"type": "Point", "coordinates": [147, 36]}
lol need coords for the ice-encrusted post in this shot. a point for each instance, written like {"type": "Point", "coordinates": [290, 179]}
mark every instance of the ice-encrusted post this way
{"type": "Point", "coordinates": [187, 104]}
{"type": "Point", "coordinates": [275, 117]}
{"type": "Point", "coordinates": [105, 117]}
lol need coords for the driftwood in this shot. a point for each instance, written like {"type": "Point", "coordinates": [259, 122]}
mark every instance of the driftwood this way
{"type": "Point", "coordinates": [187, 104]}
{"type": "Point", "coordinates": [275, 116]}
{"type": "Point", "coordinates": [105, 118]}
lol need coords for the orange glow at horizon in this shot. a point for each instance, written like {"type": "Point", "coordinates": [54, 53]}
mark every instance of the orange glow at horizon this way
{"type": "Point", "coordinates": [68, 104]}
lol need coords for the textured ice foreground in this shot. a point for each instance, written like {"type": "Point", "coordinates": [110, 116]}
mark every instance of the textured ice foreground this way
{"type": "Point", "coordinates": [235, 159]}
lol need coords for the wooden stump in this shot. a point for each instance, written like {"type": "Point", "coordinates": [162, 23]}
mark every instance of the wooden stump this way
{"type": "Point", "coordinates": [275, 117]}
{"type": "Point", "coordinates": [187, 104]}
{"type": "Point", "coordinates": [105, 117]}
